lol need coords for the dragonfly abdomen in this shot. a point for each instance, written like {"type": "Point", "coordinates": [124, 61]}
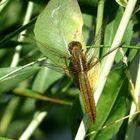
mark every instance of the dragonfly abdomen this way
{"type": "Point", "coordinates": [79, 71]}
{"type": "Point", "coordinates": [87, 95]}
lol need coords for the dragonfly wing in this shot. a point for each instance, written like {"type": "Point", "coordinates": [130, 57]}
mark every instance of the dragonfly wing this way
{"type": "Point", "coordinates": [55, 67]}
{"type": "Point", "coordinates": [52, 53]}
{"type": "Point", "coordinates": [93, 76]}
{"type": "Point", "coordinates": [91, 53]}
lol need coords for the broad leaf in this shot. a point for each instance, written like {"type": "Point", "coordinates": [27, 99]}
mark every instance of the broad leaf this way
{"type": "Point", "coordinates": [111, 29]}
{"type": "Point", "coordinates": [122, 3]}
{"type": "Point", "coordinates": [111, 105]}
{"type": "Point", "coordinates": [13, 79]}
{"type": "Point", "coordinates": [4, 138]}
{"type": "Point", "coordinates": [58, 24]}
{"type": "Point", "coordinates": [44, 79]}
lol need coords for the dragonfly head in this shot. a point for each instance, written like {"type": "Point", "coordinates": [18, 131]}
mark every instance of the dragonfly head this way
{"type": "Point", "coordinates": [74, 45]}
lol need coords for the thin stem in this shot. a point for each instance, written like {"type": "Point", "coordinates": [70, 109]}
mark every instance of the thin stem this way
{"type": "Point", "coordinates": [113, 123]}
{"type": "Point", "coordinates": [14, 63]}
{"type": "Point", "coordinates": [99, 22]}
{"type": "Point", "coordinates": [14, 33]}
{"type": "Point", "coordinates": [117, 40]}
{"type": "Point", "coordinates": [38, 117]}
{"type": "Point", "coordinates": [21, 37]}
{"type": "Point", "coordinates": [124, 46]}
{"type": "Point", "coordinates": [109, 59]}
{"type": "Point", "coordinates": [21, 68]}
{"type": "Point", "coordinates": [35, 95]}
{"type": "Point", "coordinates": [134, 106]}
{"type": "Point", "coordinates": [8, 115]}
{"type": "Point", "coordinates": [3, 3]}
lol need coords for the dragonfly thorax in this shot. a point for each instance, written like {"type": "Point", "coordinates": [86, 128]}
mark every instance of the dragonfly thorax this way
{"type": "Point", "coordinates": [74, 46]}
{"type": "Point", "coordinates": [77, 59]}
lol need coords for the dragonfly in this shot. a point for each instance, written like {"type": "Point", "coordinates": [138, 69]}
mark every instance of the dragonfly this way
{"type": "Point", "coordinates": [78, 67]}
{"type": "Point", "coordinates": [84, 69]}
{"type": "Point", "coordinates": [75, 62]}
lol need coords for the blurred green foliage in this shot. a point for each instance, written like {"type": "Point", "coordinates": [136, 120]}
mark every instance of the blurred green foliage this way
{"type": "Point", "coordinates": [17, 109]}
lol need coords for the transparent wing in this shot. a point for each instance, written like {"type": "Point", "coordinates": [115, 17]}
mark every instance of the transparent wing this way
{"type": "Point", "coordinates": [54, 67]}
{"type": "Point", "coordinates": [93, 76]}
{"type": "Point", "coordinates": [52, 54]}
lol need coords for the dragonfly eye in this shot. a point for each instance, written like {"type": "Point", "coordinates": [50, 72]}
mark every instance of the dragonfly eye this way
{"type": "Point", "coordinates": [74, 45]}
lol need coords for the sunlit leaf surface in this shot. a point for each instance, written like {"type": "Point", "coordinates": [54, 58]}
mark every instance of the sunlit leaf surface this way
{"type": "Point", "coordinates": [59, 24]}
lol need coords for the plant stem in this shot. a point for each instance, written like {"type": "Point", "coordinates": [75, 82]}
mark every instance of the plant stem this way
{"type": "Point", "coordinates": [109, 60]}
{"type": "Point", "coordinates": [38, 117]}
{"type": "Point", "coordinates": [117, 41]}
{"type": "Point", "coordinates": [100, 12]}
{"type": "Point", "coordinates": [34, 95]}
{"type": "Point", "coordinates": [21, 68]}
{"type": "Point", "coordinates": [3, 3]}
{"type": "Point", "coordinates": [21, 37]}
{"type": "Point", "coordinates": [134, 106]}
{"type": "Point", "coordinates": [8, 115]}
{"type": "Point", "coordinates": [14, 63]}
{"type": "Point", "coordinates": [99, 20]}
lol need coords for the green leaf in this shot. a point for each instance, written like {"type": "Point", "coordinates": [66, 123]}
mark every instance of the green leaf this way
{"type": "Point", "coordinates": [16, 32]}
{"type": "Point", "coordinates": [76, 115]}
{"type": "Point", "coordinates": [13, 79]}
{"type": "Point", "coordinates": [132, 55]}
{"type": "Point", "coordinates": [58, 24]}
{"type": "Point", "coordinates": [3, 138]}
{"type": "Point", "coordinates": [117, 112]}
{"type": "Point", "coordinates": [126, 39]}
{"type": "Point", "coordinates": [122, 3]}
{"type": "Point", "coordinates": [110, 32]}
{"type": "Point", "coordinates": [89, 2]}
{"type": "Point", "coordinates": [35, 95]}
{"type": "Point", "coordinates": [87, 26]}
{"type": "Point", "coordinates": [44, 79]}
{"type": "Point", "coordinates": [10, 44]}
{"type": "Point", "coordinates": [111, 105]}
{"type": "Point", "coordinates": [111, 29]}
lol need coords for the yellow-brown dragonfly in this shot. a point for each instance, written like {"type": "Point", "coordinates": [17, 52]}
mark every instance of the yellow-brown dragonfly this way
{"type": "Point", "coordinates": [79, 68]}
{"type": "Point", "coordinates": [84, 73]}
{"type": "Point", "coordinates": [59, 27]}
{"type": "Point", "coordinates": [84, 69]}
